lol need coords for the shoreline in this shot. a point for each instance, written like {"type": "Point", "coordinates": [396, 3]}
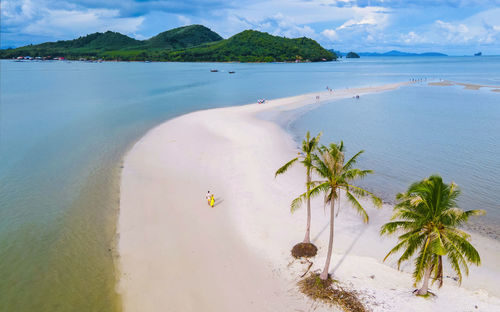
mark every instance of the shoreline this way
{"type": "Point", "coordinates": [234, 152]}
{"type": "Point", "coordinates": [466, 86]}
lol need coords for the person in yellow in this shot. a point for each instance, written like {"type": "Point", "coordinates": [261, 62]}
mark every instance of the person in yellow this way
{"type": "Point", "coordinates": [212, 201]}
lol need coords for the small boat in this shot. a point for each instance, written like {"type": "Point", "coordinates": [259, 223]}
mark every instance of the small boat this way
{"type": "Point", "coordinates": [478, 54]}
{"type": "Point", "coordinates": [231, 72]}
{"type": "Point", "coordinates": [214, 70]}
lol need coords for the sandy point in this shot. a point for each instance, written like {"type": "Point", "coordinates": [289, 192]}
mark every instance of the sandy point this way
{"type": "Point", "coordinates": [179, 254]}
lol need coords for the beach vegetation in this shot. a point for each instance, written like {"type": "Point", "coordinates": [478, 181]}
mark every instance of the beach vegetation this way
{"type": "Point", "coordinates": [337, 175]}
{"type": "Point", "coordinates": [428, 220]}
{"type": "Point", "coordinates": [330, 291]}
{"type": "Point", "coordinates": [307, 149]}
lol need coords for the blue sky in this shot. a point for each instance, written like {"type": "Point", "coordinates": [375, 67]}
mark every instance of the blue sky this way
{"type": "Point", "coordinates": [451, 26]}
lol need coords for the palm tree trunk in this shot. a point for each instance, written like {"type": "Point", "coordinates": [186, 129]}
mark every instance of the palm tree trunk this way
{"type": "Point", "coordinates": [425, 286]}
{"type": "Point", "coordinates": [324, 274]}
{"type": "Point", "coordinates": [307, 237]}
{"type": "Point", "coordinates": [338, 208]}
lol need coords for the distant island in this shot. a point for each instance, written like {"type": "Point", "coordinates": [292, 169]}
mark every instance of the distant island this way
{"type": "Point", "coordinates": [390, 53]}
{"type": "Point", "coordinates": [352, 55]}
{"type": "Point", "coordinates": [194, 43]}
{"type": "Point", "coordinates": [399, 53]}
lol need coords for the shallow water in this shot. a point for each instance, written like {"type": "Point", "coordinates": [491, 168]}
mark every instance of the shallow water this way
{"type": "Point", "coordinates": [65, 126]}
{"type": "Point", "coordinates": [416, 131]}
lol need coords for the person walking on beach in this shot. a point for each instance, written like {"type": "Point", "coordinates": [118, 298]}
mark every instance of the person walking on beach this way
{"type": "Point", "coordinates": [208, 197]}
{"type": "Point", "coordinates": [212, 201]}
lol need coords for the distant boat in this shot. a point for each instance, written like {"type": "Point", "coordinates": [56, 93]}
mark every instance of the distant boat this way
{"type": "Point", "coordinates": [231, 72]}
{"type": "Point", "coordinates": [478, 54]}
{"type": "Point", "coordinates": [214, 70]}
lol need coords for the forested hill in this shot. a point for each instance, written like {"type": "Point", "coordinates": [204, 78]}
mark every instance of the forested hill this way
{"type": "Point", "coordinates": [98, 44]}
{"type": "Point", "coordinates": [183, 37]}
{"type": "Point", "coordinates": [194, 43]}
{"type": "Point", "coordinates": [255, 46]}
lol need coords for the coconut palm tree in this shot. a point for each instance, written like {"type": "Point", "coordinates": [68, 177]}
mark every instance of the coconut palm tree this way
{"type": "Point", "coordinates": [309, 146]}
{"type": "Point", "coordinates": [337, 175]}
{"type": "Point", "coordinates": [427, 217]}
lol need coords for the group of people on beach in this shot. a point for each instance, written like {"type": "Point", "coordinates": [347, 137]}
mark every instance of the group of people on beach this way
{"type": "Point", "coordinates": [210, 199]}
{"type": "Point", "coordinates": [418, 79]}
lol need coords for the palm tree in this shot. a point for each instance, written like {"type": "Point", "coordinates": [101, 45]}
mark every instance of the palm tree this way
{"type": "Point", "coordinates": [336, 176]}
{"type": "Point", "coordinates": [428, 217]}
{"type": "Point", "coordinates": [309, 145]}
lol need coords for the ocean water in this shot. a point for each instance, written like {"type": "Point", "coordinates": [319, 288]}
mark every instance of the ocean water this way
{"type": "Point", "coordinates": [65, 126]}
{"type": "Point", "coordinates": [419, 130]}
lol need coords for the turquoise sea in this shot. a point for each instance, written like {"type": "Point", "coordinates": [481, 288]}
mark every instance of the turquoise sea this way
{"type": "Point", "coordinates": [65, 126]}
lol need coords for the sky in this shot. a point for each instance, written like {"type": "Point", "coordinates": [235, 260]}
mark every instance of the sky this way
{"type": "Point", "coordinates": [455, 27]}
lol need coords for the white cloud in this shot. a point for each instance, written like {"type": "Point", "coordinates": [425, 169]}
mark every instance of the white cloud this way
{"type": "Point", "coordinates": [412, 38]}
{"type": "Point", "coordinates": [347, 24]}
{"type": "Point", "coordinates": [330, 34]}
{"type": "Point", "coordinates": [453, 32]}
{"type": "Point", "coordinates": [17, 12]}
{"type": "Point", "coordinates": [59, 22]}
{"type": "Point", "coordinates": [37, 19]}
{"type": "Point", "coordinates": [184, 20]}
{"type": "Point", "coordinates": [482, 28]}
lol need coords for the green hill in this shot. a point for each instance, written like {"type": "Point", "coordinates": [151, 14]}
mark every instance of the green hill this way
{"type": "Point", "coordinates": [194, 43]}
{"type": "Point", "coordinates": [89, 45]}
{"type": "Point", "coordinates": [111, 45]}
{"type": "Point", "coordinates": [183, 37]}
{"type": "Point", "coordinates": [352, 55]}
{"type": "Point", "coordinates": [255, 46]}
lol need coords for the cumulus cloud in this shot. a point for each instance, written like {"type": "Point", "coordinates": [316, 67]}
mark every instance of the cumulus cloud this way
{"type": "Point", "coordinates": [343, 24]}
{"type": "Point", "coordinates": [61, 22]}
{"type": "Point", "coordinates": [412, 38]}
{"type": "Point", "coordinates": [330, 34]}
{"type": "Point", "coordinates": [414, 3]}
{"type": "Point", "coordinates": [184, 20]}
{"type": "Point", "coordinates": [17, 12]}
{"type": "Point", "coordinates": [38, 20]}
{"type": "Point", "coordinates": [482, 28]}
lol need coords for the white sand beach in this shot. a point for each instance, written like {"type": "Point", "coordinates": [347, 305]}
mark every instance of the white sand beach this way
{"type": "Point", "coordinates": [178, 254]}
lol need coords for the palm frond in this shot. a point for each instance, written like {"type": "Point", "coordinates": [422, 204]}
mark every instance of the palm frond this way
{"type": "Point", "coordinates": [297, 202]}
{"type": "Point", "coordinates": [362, 192]}
{"type": "Point", "coordinates": [348, 165]}
{"type": "Point", "coordinates": [285, 167]}
{"type": "Point", "coordinates": [361, 211]}
{"type": "Point", "coordinates": [391, 227]}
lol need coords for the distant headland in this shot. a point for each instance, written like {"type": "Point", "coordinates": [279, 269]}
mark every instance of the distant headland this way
{"type": "Point", "coordinates": [194, 43]}
{"type": "Point", "coordinates": [399, 53]}
{"type": "Point", "coordinates": [389, 53]}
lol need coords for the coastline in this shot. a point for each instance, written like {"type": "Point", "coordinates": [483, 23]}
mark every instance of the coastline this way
{"type": "Point", "coordinates": [177, 253]}
{"type": "Point", "coordinates": [467, 86]}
